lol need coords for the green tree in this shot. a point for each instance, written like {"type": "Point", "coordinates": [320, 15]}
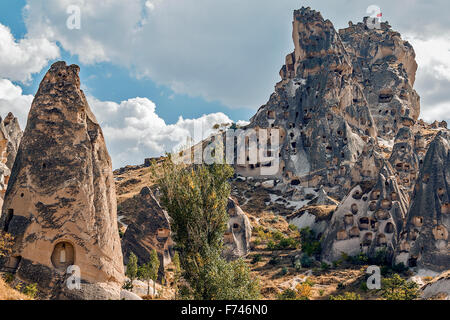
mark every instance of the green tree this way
{"type": "Point", "coordinates": [177, 272]}
{"type": "Point", "coordinates": [310, 245]}
{"type": "Point", "coordinates": [346, 296]}
{"type": "Point", "coordinates": [397, 288]}
{"type": "Point", "coordinates": [196, 198]}
{"type": "Point", "coordinates": [132, 269]}
{"type": "Point", "coordinates": [149, 271]}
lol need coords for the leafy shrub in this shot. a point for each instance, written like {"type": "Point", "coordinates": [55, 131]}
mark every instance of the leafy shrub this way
{"type": "Point", "coordinates": [382, 258]}
{"type": "Point", "coordinates": [306, 261]}
{"type": "Point", "coordinates": [324, 266]}
{"type": "Point", "coordinates": [310, 245]}
{"type": "Point", "coordinates": [360, 259]}
{"type": "Point", "coordinates": [297, 265]}
{"type": "Point", "coordinates": [287, 243]}
{"type": "Point", "coordinates": [8, 277]}
{"type": "Point", "coordinates": [346, 296]}
{"type": "Point", "coordinates": [256, 258]}
{"type": "Point", "coordinates": [271, 245]}
{"type": "Point", "coordinates": [397, 288]}
{"type": "Point", "coordinates": [31, 290]}
{"type": "Point", "coordinates": [274, 261]}
{"type": "Point", "coordinates": [400, 268]}
{"type": "Point", "coordinates": [288, 294]}
{"type": "Point", "coordinates": [6, 243]}
{"type": "Point", "coordinates": [304, 291]}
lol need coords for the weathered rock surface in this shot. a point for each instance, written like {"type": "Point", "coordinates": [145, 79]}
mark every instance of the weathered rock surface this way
{"type": "Point", "coordinates": [439, 288]}
{"type": "Point", "coordinates": [319, 107]}
{"type": "Point", "coordinates": [10, 135]}
{"type": "Point", "coordinates": [149, 230]}
{"type": "Point", "coordinates": [424, 240]}
{"type": "Point", "coordinates": [368, 220]}
{"type": "Point", "coordinates": [60, 204]}
{"type": "Point", "coordinates": [238, 234]}
{"type": "Point", "coordinates": [385, 66]}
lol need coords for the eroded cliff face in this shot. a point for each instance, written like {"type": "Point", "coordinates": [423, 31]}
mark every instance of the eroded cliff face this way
{"type": "Point", "coordinates": [60, 204]}
{"type": "Point", "coordinates": [424, 240]}
{"type": "Point", "coordinates": [385, 66]}
{"type": "Point", "coordinates": [10, 135]}
{"type": "Point", "coordinates": [319, 107]}
{"type": "Point", "coordinates": [368, 220]}
{"type": "Point", "coordinates": [149, 230]}
{"type": "Point", "coordinates": [340, 92]}
{"type": "Point", "coordinates": [347, 114]}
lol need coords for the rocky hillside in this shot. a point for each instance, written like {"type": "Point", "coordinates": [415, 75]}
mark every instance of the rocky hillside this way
{"type": "Point", "coordinates": [357, 165]}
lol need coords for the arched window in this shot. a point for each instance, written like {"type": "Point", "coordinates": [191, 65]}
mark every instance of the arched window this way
{"type": "Point", "coordinates": [63, 255]}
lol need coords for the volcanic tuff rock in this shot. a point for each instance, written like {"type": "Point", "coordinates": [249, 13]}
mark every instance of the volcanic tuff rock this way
{"type": "Point", "coordinates": [320, 108]}
{"type": "Point", "coordinates": [404, 158]}
{"type": "Point", "coordinates": [368, 220]}
{"type": "Point", "coordinates": [424, 240]}
{"type": "Point", "coordinates": [339, 92]}
{"type": "Point", "coordinates": [60, 204]}
{"type": "Point", "coordinates": [10, 135]}
{"type": "Point", "coordinates": [238, 234]}
{"type": "Point", "coordinates": [149, 230]}
{"type": "Point", "coordinates": [385, 66]}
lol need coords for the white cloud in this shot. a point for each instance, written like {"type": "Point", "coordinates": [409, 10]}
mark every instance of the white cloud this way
{"type": "Point", "coordinates": [133, 131]}
{"type": "Point", "coordinates": [433, 75]}
{"type": "Point", "coordinates": [20, 59]}
{"type": "Point", "coordinates": [12, 100]}
{"type": "Point", "coordinates": [228, 51]}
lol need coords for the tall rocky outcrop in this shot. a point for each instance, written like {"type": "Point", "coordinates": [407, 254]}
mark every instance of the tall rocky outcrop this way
{"type": "Point", "coordinates": [60, 205]}
{"type": "Point", "coordinates": [319, 107]}
{"type": "Point", "coordinates": [340, 91]}
{"type": "Point", "coordinates": [10, 135]}
{"type": "Point", "coordinates": [385, 66]}
{"type": "Point", "coordinates": [149, 230]}
{"type": "Point", "coordinates": [424, 241]}
{"type": "Point", "coordinates": [238, 233]}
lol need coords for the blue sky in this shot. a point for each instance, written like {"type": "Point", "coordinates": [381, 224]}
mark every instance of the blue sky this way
{"type": "Point", "coordinates": [107, 81]}
{"type": "Point", "coordinates": [153, 69]}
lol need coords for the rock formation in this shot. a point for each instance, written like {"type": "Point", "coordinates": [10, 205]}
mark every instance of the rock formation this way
{"type": "Point", "coordinates": [60, 204]}
{"type": "Point", "coordinates": [385, 66]}
{"type": "Point", "coordinates": [368, 220]}
{"type": "Point", "coordinates": [424, 241]}
{"type": "Point", "coordinates": [238, 234]}
{"type": "Point", "coordinates": [10, 135]}
{"type": "Point", "coordinates": [149, 230]}
{"type": "Point", "coordinates": [319, 107]}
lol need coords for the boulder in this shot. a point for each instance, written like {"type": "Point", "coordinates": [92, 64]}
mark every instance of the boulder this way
{"type": "Point", "coordinates": [149, 229]}
{"type": "Point", "coordinates": [238, 234]}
